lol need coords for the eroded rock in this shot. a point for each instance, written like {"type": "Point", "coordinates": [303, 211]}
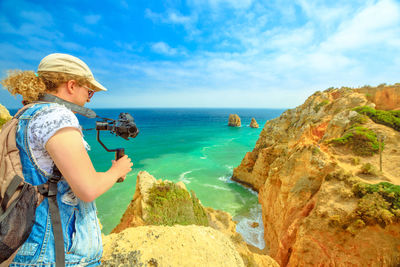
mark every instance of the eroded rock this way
{"type": "Point", "coordinates": [310, 218]}
{"type": "Point", "coordinates": [234, 120]}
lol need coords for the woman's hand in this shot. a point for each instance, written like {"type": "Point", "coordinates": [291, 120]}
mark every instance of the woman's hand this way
{"type": "Point", "coordinates": [69, 154]}
{"type": "Point", "coordinates": [122, 166]}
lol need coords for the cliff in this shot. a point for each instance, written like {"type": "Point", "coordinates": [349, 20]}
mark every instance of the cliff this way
{"type": "Point", "coordinates": [316, 167]}
{"type": "Point", "coordinates": [183, 232]}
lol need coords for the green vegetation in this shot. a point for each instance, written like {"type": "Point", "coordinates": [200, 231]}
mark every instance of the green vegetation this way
{"type": "Point", "coordinates": [169, 204]}
{"type": "Point", "coordinates": [2, 121]}
{"type": "Point", "coordinates": [359, 119]}
{"type": "Point", "coordinates": [369, 169]}
{"type": "Point", "coordinates": [379, 203]}
{"type": "Point", "coordinates": [248, 260]}
{"type": "Point", "coordinates": [389, 118]}
{"type": "Point", "coordinates": [355, 161]}
{"type": "Point", "coordinates": [362, 141]}
{"type": "Point", "coordinates": [318, 106]}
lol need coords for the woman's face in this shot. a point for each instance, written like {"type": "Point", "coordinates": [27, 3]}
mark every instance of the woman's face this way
{"type": "Point", "coordinates": [83, 95]}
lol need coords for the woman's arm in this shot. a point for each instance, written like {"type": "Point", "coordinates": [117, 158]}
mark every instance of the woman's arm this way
{"type": "Point", "coordinates": [66, 149]}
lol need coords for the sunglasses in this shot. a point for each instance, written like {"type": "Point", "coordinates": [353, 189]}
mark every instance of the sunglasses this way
{"type": "Point", "coordinates": [90, 91]}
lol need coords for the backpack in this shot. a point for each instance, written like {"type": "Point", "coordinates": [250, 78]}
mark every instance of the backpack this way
{"type": "Point", "coordinates": [19, 199]}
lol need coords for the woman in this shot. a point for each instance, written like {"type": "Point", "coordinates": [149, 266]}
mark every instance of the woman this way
{"type": "Point", "coordinates": [49, 135]}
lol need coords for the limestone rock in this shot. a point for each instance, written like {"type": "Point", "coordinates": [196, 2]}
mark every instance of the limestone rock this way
{"type": "Point", "coordinates": [121, 252]}
{"type": "Point", "coordinates": [4, 115]}
{"type": "Point", "coordinates": [170, 246]}
{"type": "Point", "coordinates": [253, 123]}
{"type": "Point", "coordinates": [384, 97]}
{"type": "Point", "coordinates": [135, 213]}
{"type": "Point", "coordinates": [306, 188]}
{"type": "Point", "coordinates": [234, 120]}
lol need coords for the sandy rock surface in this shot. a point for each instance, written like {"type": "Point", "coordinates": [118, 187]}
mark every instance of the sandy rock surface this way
{"type": "Point", "coordinates": [170, 246]}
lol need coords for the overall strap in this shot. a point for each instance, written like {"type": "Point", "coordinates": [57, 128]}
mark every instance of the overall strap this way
{"type": "Point", "coordinates": [49, 190]}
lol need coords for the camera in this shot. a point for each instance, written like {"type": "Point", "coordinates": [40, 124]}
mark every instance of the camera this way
{"type": "Point", "coordinates": [125, 126]}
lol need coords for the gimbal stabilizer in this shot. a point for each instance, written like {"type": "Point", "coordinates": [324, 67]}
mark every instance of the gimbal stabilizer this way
{"type": "Point", "coordinates": [125, 127]}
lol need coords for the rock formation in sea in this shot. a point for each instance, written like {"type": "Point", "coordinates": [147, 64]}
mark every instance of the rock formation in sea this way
{"type": "Point", "coordinates": [213, 242]}
{"type": "Point", "coordinates": [4, 115]}
{"type": "Point", "coordinates": [324, 200]}
{"type": "Point", "coordinates": [234, 120]}
{"type": "Point", "coordinates": [253, 123]}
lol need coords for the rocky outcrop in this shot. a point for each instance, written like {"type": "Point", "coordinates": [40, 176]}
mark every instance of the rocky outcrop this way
{"type": "Point", "coordinates": [253, 123]}
{"type": "Point", "coordinates": [385, 97]}
{"type": "Point", "coordinates": [170, 246]}
{"type": "Point", "coordinates": [308, 168]}
{"type": "Point", "coordinates": [4, 115]}
{"type": "Point", "coordinates": [119, 249]}
{"type": "Point", "coordinates": [234, 120]}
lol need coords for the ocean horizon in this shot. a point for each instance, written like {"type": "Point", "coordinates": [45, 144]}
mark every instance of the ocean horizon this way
{"type": "Point", "coordinates": [192, 145]}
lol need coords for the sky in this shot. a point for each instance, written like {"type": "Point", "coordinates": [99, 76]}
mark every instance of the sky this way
{"type": "Point", "coordinates": [207, 53]}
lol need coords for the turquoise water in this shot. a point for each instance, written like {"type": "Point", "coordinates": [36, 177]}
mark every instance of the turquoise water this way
{"type": "Point", "coordinates": [191, 145]}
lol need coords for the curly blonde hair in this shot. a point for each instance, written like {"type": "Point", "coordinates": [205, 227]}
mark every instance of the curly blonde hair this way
{"type": "Point", "coordinates": [31, 86]}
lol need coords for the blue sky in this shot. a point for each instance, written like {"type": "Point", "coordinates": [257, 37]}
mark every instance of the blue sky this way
{"type": "Point", "coordinates": [208, 53]}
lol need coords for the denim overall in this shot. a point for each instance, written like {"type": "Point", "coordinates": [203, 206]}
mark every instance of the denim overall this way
{"type": "Point", "coordinates": [81, 231]}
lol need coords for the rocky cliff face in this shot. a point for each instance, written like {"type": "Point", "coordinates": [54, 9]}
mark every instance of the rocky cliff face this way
{"type": "Point", "coordinates": [316, 170]}
{"type": "Point", "coordinates": [136, 240]}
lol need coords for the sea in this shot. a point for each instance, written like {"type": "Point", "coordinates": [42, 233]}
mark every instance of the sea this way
{"type": "Point", "coordinates": [192, 145]}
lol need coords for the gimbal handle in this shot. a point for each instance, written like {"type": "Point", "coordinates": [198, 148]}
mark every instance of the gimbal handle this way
{"type": "Point", "coordinates": [119, 153]}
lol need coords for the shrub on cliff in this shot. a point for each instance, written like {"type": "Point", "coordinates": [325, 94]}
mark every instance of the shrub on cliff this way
{"type": "Point", "coordinates": [362, 141]}
{"type": "Point", "coordinates": [169, 204]}
{"type": "Point", "coordinates": [379, 203]}
{"type": "Point", "coordinates": [389, 118]}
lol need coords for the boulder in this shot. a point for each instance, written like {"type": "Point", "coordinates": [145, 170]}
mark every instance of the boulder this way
{"type": "Point", "coordinates": [253, 123]}
{"type": "Point", "coordinates": [234, 120]}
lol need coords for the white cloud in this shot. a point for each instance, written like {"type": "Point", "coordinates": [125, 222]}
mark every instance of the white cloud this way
{"type": "Point", "coordinates": [92, 19]}
{"type": "Point", "coordinates": [377, 24]}
{"type": "Point", "coordinates": [237, 4]}
{"type": "Point", "coordinates": [163, 48]}
{"type": "Point", "coordinates": [82, 30]}
{"type": "Point", "coordinates": [171, 16]}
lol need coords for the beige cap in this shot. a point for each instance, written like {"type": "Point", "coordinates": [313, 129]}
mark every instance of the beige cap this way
{"type": "Point", "coordinates": [69, 64]}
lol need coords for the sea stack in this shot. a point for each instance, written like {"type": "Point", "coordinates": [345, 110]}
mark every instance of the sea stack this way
{"type": "Point", "coordinates": [234, 120]}
{"type": "Point", "coordinates": [253, 123]}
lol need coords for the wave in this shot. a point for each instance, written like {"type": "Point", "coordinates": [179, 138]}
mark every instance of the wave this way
{"type": "Point", "coordinates": [226, 179]}
{"type": "Point", "coordinates": [216, 187]}
{"type": "Point", "coordinates": [252, 235]}
{"type": "Point", "coordinates": [184, 179]}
